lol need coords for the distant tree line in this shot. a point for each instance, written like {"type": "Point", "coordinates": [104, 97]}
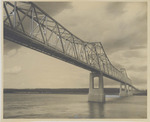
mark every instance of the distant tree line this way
{"type": "Point", "coordinates": [59, 91]}
{"type": "Point", "coordinates": [108, 91]}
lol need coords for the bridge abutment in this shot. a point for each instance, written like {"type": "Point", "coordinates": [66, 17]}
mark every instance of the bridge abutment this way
{"type": "Point", "coordinates": [96, 93]}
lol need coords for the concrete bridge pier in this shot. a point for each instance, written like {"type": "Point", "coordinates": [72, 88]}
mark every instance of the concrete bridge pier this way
{"type": "Point", "coordinates": [130, 90]}
{"type": "Point", "coordinates": [123, 92]}
{"type": "Point", "coordinates": [96, 93]}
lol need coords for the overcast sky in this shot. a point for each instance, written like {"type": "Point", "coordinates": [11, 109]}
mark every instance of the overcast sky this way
{"type": "Point", "coordinates": [120, 26]}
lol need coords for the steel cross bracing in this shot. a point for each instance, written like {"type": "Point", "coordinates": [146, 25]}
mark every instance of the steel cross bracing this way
{"type": "Point", "coordinates": [27, 24]}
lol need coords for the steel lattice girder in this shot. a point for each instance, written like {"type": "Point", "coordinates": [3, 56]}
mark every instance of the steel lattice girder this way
{"type": "Point", "coordinates": [48, 32]}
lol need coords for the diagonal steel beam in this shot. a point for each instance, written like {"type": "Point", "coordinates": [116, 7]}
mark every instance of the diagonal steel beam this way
{"type": "Point", "coordinates": [60, 38]}
{"type": "Point", "coordinates": [20, 20]}
{"type": "Point", "coordinates": [8, 15]}
{"type": "Point", "coordinates": [23, 16]}
{"type": "Point", "coordinates": [39, 24]}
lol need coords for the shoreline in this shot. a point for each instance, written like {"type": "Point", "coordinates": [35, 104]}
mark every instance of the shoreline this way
{"type": "Point", "coordinates": [108, 91]}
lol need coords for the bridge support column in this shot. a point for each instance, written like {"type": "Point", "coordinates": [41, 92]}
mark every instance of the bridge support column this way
{"type": "Point", "coordinates": [130, 91]}
{"type": "Point", "coordinates": [96, 94]}
{"type": "Point", "coordinates": [123, 92]}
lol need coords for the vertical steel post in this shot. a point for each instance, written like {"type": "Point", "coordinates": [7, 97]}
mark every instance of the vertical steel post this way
{"type": "Point", "coordinates": [107, 66]}
{"type": "Point", "coordinates": [46, 30]}
{"type": "Point", "coordinates": [85, 54]}
{"type": "Point", "coordinates": [74, 46]}
{"type": "Point", "coordinates": [97, 58]}
{"type": "Point", "coordinates": [14, 15]}
{"type": "Point", "coordinates": [60, 38]}
{"type": "Point", "coordinates": [32, 21]}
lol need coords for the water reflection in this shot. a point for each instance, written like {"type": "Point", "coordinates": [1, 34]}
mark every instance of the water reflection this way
{"type": "Point", "coordinates": [96, 110]}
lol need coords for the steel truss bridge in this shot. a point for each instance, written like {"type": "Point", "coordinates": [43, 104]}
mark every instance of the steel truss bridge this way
{"type": "Point", "coordinates": [28, 25]}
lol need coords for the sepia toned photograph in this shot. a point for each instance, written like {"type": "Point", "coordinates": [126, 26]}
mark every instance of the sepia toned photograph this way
{"type": "Point", "coordinates": [75, 60]}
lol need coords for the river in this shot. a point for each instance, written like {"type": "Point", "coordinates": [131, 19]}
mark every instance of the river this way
{"type": "Point", "coordinates": [73, 106]}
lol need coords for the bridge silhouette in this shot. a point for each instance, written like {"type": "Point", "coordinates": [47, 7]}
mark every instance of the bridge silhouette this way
{"type": "Point", "coordinates": [28, 25]}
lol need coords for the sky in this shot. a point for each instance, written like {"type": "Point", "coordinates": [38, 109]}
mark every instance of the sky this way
{"type": "Point", "coordinates": [120, 26]}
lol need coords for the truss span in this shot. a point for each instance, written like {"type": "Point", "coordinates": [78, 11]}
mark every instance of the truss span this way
{"type": "Point", "coordinates": [27, 24]}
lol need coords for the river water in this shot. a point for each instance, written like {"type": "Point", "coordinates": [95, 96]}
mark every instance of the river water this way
{"type": "Point", "coordinates": [73, 106]}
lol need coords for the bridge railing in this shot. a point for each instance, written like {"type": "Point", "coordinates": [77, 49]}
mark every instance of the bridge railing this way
{"type": "Point", "coordinates": [29, 19]}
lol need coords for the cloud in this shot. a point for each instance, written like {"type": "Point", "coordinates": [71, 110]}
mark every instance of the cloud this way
{"type": "Point", "coordinates": [13, 70]}
{"type": "Point", "coordinates": [139, 79]}
{"type": "Point", "coordinates": [138, 47]}
{"type": "Point", "coordinates": [10, 48]}
{"type": "Point", "coordinates": [138, 68]}
{"type": "Point", "coordinates": [116, 8]}
{"type": "Point", "coordinates": [12, 52]}
{"type": "Point", "coordinates": [140, 53]}
{"type": "Point", "coordinates": [53, 8]}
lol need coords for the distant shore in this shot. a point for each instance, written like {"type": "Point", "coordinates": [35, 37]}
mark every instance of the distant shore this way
{"type": "Point", "coordinates": [108, 91]}
{"type": "Point", "coordinates": [59, 91]}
